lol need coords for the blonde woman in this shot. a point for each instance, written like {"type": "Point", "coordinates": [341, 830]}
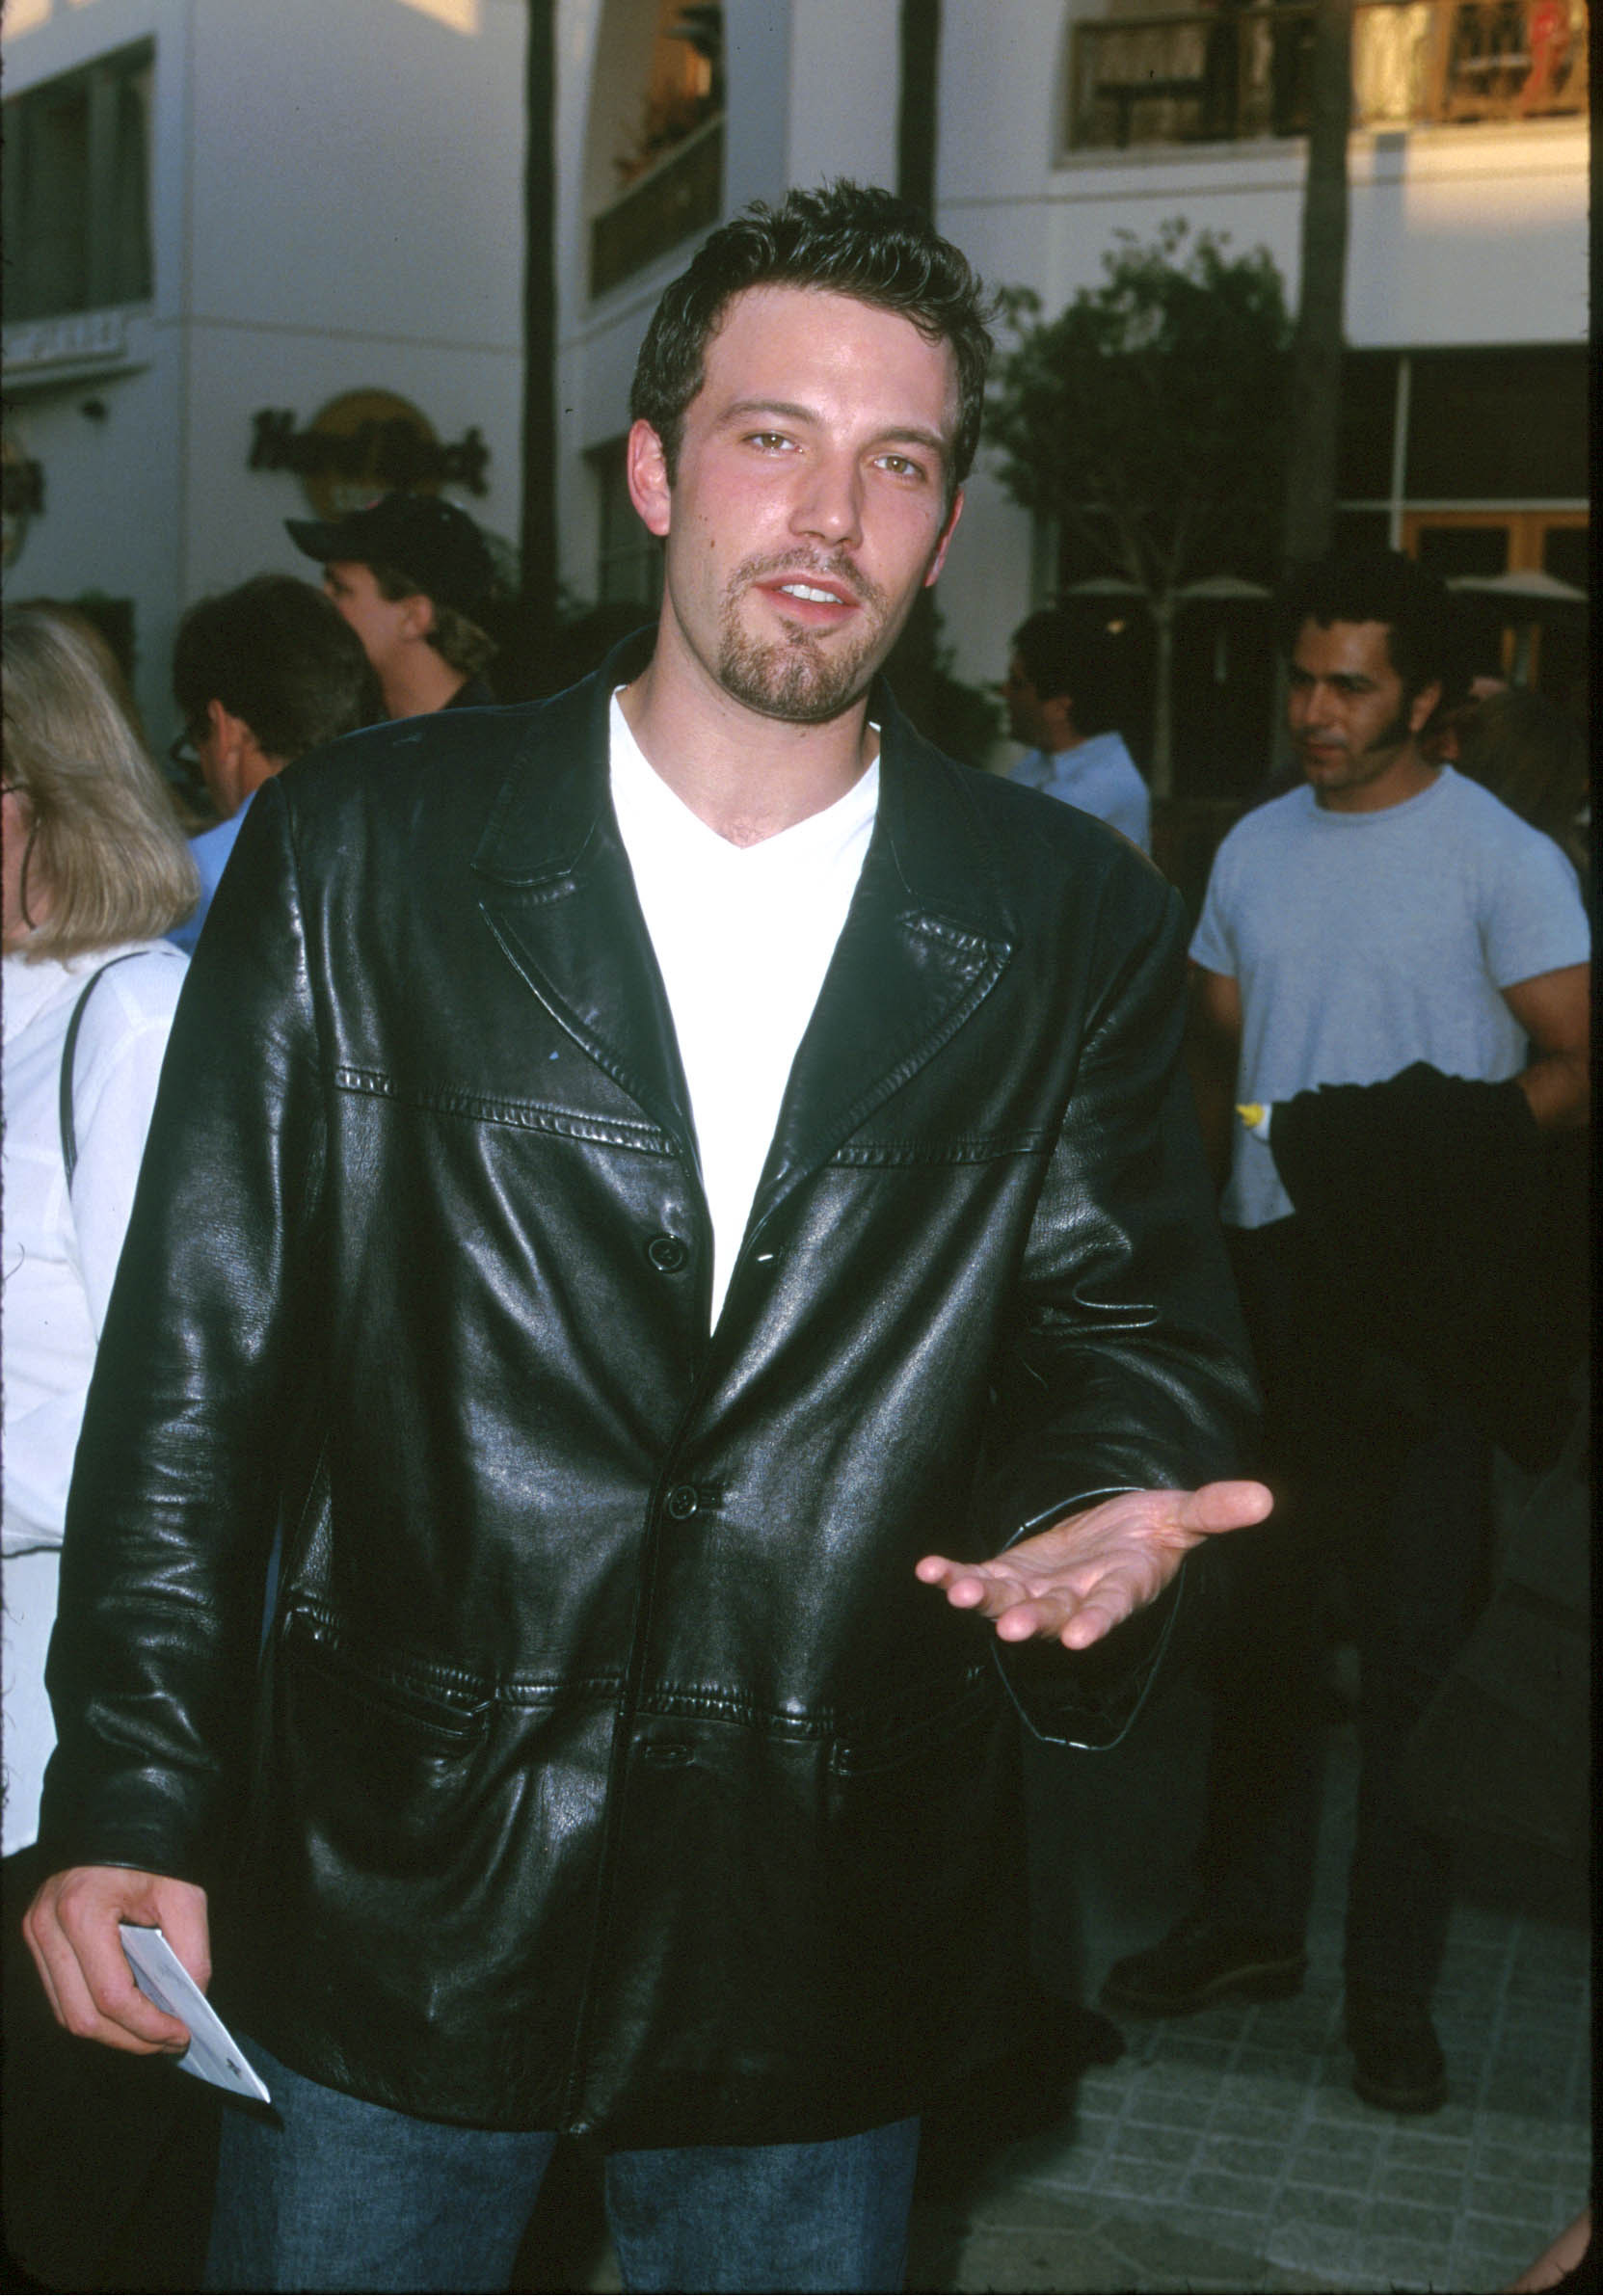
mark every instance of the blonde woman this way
{"type": "Point", "coordinates": [95, 870]}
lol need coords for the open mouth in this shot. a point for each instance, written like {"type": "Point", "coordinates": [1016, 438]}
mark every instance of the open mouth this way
{"type": "Point", "coordinates": [809, 599]}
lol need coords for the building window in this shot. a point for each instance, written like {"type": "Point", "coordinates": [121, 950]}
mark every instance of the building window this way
{"type": "Point", "coordinates": [1239, 69]}
{"type": "Point", "coordinates": [77, 188]}
{"type": "Point", "coordinates": [657, 133]}
{"type": "Point", "coordinates": [628, 566]}
{"type": "Point", "coordinates": [1451, 428]}
{"type": "Point", "coordinates": [1475, 462]}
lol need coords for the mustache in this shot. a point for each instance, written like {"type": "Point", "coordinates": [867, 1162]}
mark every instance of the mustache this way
{"type": "Point", "coordinates": [808, 566]}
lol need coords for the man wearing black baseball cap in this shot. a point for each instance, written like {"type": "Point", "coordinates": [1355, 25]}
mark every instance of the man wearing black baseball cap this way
{"type": "Point", "coordinates": [409, 572]}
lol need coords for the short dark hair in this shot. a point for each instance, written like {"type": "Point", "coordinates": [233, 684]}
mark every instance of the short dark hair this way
{"type": "Point", "coordinates": [1061, 657]}
{"type": "Point", "coordinates": [454, 635]}
{"type": "Point", "coordinates": [844, 238]}
{"type": "Point", "coordinates": [277, 654]}
{"type": "Point", "coordinates": [1422, 638]}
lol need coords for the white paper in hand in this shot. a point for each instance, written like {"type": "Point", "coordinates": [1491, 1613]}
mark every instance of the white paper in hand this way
{"type": "Point", "coordinates": [213, 2054]}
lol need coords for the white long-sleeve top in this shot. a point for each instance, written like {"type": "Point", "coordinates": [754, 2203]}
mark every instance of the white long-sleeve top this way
{"type": "Point", "coordinates": [59, 1258]}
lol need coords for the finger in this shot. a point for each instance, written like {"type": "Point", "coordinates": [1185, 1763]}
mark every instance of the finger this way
{"type": "Point", "coordinates": [98, 1995]}
{"type": "Point", "coordinates": [41, 1964]}
{"type": "Point", "coordinates": [967, 1586]}
{"type": "Point", "coordinates": [76, 2008]}
{"type": "Point", "coordinates": [1091, 1621]}
{"type": "Point", "coordinates": [1224, 1506]}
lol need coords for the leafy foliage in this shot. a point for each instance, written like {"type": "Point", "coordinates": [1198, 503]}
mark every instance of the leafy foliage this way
{"type": "Point", "coordinates": [1150, 416]}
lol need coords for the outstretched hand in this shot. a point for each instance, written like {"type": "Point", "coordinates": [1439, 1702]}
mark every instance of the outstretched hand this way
{"type": "Point", "coordinates": [1084, 1576]}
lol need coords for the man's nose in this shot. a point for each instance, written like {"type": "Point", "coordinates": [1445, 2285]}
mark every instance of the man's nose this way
{"type": "Point", "coordinates": [830, 501]}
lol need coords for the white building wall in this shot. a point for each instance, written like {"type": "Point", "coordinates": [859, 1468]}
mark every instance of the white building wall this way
{"type": "Point", "coordinates": [1457, 236]}
{"type": "Point", "coordinates": [337, 205]}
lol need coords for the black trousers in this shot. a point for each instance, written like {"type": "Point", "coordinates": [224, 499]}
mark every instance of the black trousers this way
{"type": "Point", "coordinates": [1383, 1491]}
{"type": "Point", "coordinates": [109, 2160]}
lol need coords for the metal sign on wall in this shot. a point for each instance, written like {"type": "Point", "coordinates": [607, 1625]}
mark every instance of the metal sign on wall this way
{"type": "Point", "coordinates": [364, 443]}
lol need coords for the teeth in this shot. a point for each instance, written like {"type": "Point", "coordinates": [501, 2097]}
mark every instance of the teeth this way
{"type": "Point", "coordinates": [823, 598]}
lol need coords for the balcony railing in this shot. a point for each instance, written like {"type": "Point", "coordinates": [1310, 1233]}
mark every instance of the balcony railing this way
{"type": "Point", "coordinates": [1236, 71]}
{"type": "Point", "coordinates": [682, 194]}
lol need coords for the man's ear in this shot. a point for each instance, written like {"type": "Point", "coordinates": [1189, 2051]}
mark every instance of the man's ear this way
{"type": "Point", "coordinates": [943, 546]}
{"type": "Point", "coordinates": [1059, 712]}
{"type": "Point", "coordinates": [647, 469]}
{"type": "Point", "coordinates": [229, 734]}
{"type": "Point", "coordinates": [1424, 705]}
{"type": "Point", "coordinates": [416, 615]}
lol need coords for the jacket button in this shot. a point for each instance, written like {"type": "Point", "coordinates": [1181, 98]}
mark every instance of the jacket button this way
{"type": "Point", "coordinates": [667, 1254]}
{"type": "Point", "coordinates": [682, 1502]}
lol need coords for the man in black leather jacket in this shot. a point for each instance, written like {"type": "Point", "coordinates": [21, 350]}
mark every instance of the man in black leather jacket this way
{"type": "Point", "coordinates": [649, 1192]}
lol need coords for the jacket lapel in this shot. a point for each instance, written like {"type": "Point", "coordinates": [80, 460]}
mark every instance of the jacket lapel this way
{"type": "Point", "coordinates": [928, 935]}
{"type": "Point", "coordinates": [558, 895]}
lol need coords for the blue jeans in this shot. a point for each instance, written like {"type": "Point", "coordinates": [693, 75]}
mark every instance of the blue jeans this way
{"type": "Point", "coordinates": [337, 2194]}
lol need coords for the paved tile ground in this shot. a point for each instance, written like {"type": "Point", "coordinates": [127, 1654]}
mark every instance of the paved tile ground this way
{"type": "Point", "coordinates": [1226, 2150]}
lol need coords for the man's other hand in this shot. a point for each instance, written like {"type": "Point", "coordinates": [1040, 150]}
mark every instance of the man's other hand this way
{"type": "Point", "coordinates": [1082, 1578]}
{"type": "Point", "coordinates": [72, 1933]}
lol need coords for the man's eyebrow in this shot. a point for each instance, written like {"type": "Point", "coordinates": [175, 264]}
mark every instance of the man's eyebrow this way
{"type": "Point", "coordinates": [914, 433]}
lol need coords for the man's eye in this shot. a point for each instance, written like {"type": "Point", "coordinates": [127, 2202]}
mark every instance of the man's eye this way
{"type": "Point", "coordinates": [768, 440]}
{"type": "Point", "coordinates": [901, 465]}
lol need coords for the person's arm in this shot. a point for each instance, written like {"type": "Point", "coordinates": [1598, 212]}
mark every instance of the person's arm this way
{"type": "Point", "coordinates": [115, 1072]}
{"type": "Point", "coordinates": [1128, 1383]}
{"type": "Point", "coordinates": [174, 1493]}
{"type": "Point", "coordinates": [1555, 1011]}
{"type": "Point", "coordinates": [1212, 1057]}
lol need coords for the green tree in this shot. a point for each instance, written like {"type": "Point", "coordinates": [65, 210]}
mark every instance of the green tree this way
{"type": "Point", "coordinates": [1148, 421]}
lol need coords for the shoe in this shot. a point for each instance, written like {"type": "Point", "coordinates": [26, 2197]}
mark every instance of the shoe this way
{"type": "Point", "coordinates": [1397, 2059]}
{"type": "Point", "coordinates": [1202, 1961]}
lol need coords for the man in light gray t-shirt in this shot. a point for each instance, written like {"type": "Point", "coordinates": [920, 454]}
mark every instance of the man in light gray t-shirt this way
{"type": "Point", "coordinates": [1388, 913]}
{"type": "Point", "coordinates": [1357, 942]}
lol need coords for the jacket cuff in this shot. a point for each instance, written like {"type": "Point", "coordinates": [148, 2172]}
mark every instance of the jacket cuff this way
{"type": "Point", "coordinates": [1089, 1698]}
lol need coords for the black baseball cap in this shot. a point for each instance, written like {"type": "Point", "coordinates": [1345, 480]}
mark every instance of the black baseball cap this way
{"type": "Point", "coordinates": [431, 542]}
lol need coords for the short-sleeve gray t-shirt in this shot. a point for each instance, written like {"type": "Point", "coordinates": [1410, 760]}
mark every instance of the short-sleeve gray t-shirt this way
{"type": "Point", "coordinates": [1363, 942]}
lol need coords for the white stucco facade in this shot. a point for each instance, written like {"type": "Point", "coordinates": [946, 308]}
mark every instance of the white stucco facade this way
{"type": "Point", "coordinates": [336, 206]}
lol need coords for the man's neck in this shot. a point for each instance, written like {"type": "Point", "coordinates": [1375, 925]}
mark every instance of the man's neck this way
{"type": "Point", "coordinates": [747, 776]}
{"type": "Point", "coordinates": [422, 681]}
{"type": "Point", "coordinates": [1408, 776]}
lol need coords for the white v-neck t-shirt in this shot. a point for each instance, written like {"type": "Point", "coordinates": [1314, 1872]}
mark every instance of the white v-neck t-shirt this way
{"type": "Point", "coordinates": [743, 935]}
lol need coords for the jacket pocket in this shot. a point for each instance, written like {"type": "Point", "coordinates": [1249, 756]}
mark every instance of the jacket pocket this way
{"type": "Point", "coordinates": [420, 1702]}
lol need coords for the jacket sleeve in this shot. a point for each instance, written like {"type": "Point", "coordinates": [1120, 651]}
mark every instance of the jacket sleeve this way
{"type": "Point", "coordinates": [1129, 1367]}
{"type": "Point", "coordinates": [209, 1330]}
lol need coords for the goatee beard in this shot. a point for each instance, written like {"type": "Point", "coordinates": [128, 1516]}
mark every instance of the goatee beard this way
{"type": "Point", "coordinates": [796, 678]}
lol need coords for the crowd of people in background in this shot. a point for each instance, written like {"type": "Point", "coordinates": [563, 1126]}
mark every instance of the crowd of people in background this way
{"type": "Point", "coordinates": [1390, 1049]}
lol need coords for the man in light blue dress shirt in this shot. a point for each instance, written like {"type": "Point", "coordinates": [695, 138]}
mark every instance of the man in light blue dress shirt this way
{"type": "Point", "coordinates": [1054, 703]}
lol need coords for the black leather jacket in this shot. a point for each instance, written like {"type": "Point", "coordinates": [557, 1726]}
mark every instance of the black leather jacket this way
{"type": "Point", "coordinates": [607, 1768]}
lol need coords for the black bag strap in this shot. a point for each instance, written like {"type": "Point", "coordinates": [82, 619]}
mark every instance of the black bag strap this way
{"type": "Point", "coordinates": [69, 1136]}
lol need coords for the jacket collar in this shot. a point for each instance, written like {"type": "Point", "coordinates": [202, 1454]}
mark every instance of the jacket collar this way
{"type": "Point", "coordinates": [928, 934]}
